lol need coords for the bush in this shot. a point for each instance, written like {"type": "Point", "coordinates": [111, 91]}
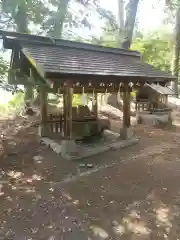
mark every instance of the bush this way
{"type": "Point", "coordinates": [17, 103]}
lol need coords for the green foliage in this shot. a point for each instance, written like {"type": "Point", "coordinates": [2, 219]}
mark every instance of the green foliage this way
{"type": "Point", "coordinates": [77, 100]}
{"type": "Point", "coordinates": [3, 76]}
{"type": "Point", "coordinates": [14, 106]}
{"type": "Point", "coordinates": [17, 102]}
{"type": "Point", "coordinates": [22, 12]}
{"type": "Point", "coordinates": [3, 68]}
{"type": "Point", "coordinates": [68, 15]}
{"type": "Point", "coordinates": [155, 47]}
{"type": "Point", "coordinates": [156, 51]}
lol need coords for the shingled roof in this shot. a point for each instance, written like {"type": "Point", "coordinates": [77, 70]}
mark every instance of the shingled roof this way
{"type": "Point", "coordinates": [61, 57]}
{"type": "Point", "coordinates": [160, 89]}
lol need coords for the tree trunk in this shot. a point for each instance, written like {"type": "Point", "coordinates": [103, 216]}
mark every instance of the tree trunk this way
{"type": "Point", "coordinates": [176, 53]}
{"type": "Point", "coordinates": [120, 21]}
{"type": "Point", "coordinates": [21, 18]}
{"type": "Point", "coordinates": [128, 27]}
{"type": "Point", "coordinates": [22, 27]}
{"type": "Point", "coordinates": [60, 17]}
{"type": "Point", "coordinates": [131, 11]}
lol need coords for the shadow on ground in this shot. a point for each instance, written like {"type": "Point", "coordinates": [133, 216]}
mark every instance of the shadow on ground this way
{"type": "Point", "coordinates": [133, 193]}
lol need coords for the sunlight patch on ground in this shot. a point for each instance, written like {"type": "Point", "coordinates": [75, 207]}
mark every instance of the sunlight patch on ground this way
{"type": "Point", "coordinates": [38, 158]}
{"type": "Point", "coordinates": [99, 232]}
{"type": "Point", "coordinates": [14, 174]}
{"type": "Point", "coordinates": [1, 190]}
{"type": "Point", "coordinates": [119, 229]}
{"type": "Point", "coordinates": [163, 218]}
{"type": "Point", "coordinates": [133, 224]}
{"type": "Point", "coordinates": [137, 228]}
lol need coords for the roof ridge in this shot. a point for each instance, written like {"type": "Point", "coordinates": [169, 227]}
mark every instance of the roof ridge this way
{"type": "Point", "coordinates": [45, 40]}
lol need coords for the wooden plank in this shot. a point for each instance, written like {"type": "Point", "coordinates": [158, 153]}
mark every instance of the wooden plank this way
{"type": "Point", "coordinates": [77, 119]}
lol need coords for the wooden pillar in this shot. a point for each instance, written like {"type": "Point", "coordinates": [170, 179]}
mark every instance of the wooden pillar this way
{"type": "Point", "coordinates": [95, 104]}
{"type": "Point", "coordinates": [68, 145]}
{"type": "Point", "coordinates": [68, 111]}
{"type": "Point", "coordinates": [126, 112]}
{"type": "Point", "coordinates": [64, 112]}
{"type": "Point", "coordinates": [126, 107]}
{"type": "Point", "coordinates": [43, 110]}
{"type": "Point", "coordinates": [166, 99]}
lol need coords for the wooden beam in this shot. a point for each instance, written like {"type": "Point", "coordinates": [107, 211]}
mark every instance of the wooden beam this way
{"type": "Point", "coordinates": [59, 77]}
{"type": "Point", "coordinates": [79, 90]}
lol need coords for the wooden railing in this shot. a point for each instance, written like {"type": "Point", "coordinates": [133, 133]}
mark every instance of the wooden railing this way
{"type": "Point", "coordinates": [142, 106]}
{"type": "Point", "coordinates": [55, 124]}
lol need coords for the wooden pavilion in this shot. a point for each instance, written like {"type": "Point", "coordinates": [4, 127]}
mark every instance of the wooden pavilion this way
{"type": "Point", "coordinates": [68, 67]}
{"type": "Point", "coordinates": [153, 98]}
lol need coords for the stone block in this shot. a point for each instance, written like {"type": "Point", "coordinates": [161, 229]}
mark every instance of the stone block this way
{"type": "Point", "coordinates": [126, 133]}
{"type": "Point", "coordinates": [69, 149]}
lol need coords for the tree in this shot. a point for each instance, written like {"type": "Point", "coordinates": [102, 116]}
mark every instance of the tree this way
{"type": "Point", "coordinates": [131, 11]}
{"type": "Point", "coordinates": [3, 73]}
{"type": "Point", "coordinates": [3, 76]}
{"type": "Point", "coordinates": [155, 49]}
{"type": "Point", "coordinates": [120, 20]}
{"type": "Point", "coordinates": [126, 26]}
{"type": "Point", "coordinates": [121, 33]}
{"type": "Point", "coordinates": [17, 14]}
{"type": "Point", "coordinates": [176, 52]}
{"type": "Point", "coordinates": [174, 7]}
{"type": "Point", "coordinates": [69, 15]}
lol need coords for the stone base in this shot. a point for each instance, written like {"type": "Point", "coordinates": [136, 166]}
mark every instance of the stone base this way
{"type": "Point", "coordinates": [51, 144]}
{"type": "Point", "coordinates": [69, 149]}
{"type": "Point", "coordinates": [154, 119]}
{"type": "Point", "coordinates": [126, 133]}
{"type": "Point", "coordinates": [42, 132]}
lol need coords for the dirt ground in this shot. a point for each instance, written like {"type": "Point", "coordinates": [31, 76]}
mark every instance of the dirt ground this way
{"type": "Point", "coordinates": [132, 193]}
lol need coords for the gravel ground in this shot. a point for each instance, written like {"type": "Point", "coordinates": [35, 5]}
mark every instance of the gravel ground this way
{"type": "Point", "coordinates": [132, 193]}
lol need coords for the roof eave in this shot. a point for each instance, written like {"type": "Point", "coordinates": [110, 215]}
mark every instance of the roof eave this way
{"type": "Point", "coordinates": [61, 75]}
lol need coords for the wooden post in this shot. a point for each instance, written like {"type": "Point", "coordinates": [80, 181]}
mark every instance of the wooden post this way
{"type": "Point", "coordinates": [95, 104]}
{"type": "Point", "coordinates": [68, 111]}
{"type": "Point", "coordinates": [126, 112]}
{"type": "Point", "coordinates": [166, 100]}
{"type": "Point", "coordinates": [126, 107]}
{"type": "Point", "coordinates": [43, 110]}
{"type": "Point", "coordinates": [64, 113]}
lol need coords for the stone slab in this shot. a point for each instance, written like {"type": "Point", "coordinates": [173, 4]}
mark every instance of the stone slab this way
{"type": "Point", "coordinates": [71, 151]}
